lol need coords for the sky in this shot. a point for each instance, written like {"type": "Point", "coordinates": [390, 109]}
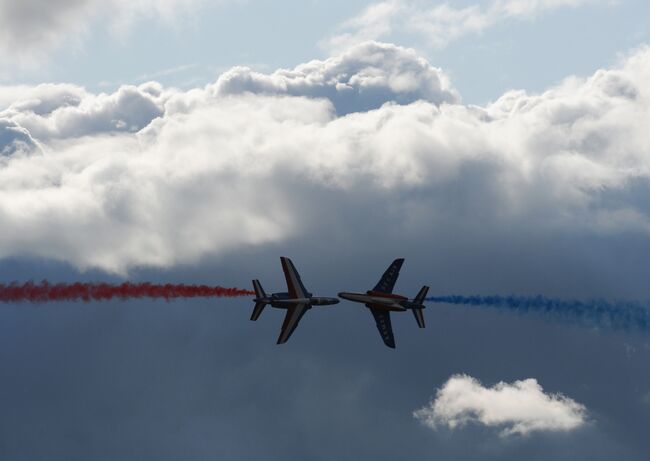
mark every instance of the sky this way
{"type": "Point", "coordinates": [498, 146]}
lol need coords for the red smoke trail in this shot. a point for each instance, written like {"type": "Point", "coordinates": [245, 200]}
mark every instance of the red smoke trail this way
{"type": "Point", "coordinates": [45, 292]}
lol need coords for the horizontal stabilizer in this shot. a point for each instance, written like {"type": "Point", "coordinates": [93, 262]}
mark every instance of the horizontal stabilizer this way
{"type": "Point", "coordinates": [419, 317]}
{"type": "Point", "coordinates": [257, 310]}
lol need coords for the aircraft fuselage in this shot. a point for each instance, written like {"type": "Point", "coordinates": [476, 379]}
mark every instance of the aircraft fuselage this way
{"type": "Point", "coordinates": [378, 300]}
{"type": "Point", "coordinates": [284, 301]}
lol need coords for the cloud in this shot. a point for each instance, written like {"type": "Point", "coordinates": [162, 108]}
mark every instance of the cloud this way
{"type": "Point", "coordinates": [29, 29]}
{"type": "Point", "coordinates": [43, 99]}
{"type": "Point", "coordinates": [438, 25]}
{"type": "Point", "coordinates": [68, 111]}
{"type": "Point", "coordinates": [361, 78]}
{"type": "Point", "coordinates": [149, 176]}
{"type": "Point", "coordinates": [374, 22]}
{"type": "Point", "coordinates": [32, 24]}
{"type": "Point", "coordinates": [519, 408]}
{"type": "Point", "coordinates": [15, 139]}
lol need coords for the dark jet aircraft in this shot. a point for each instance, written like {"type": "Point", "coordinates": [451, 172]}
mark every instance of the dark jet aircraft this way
{"type": "Point", "coordinates": [296, 301]}
{"type": "Point", "coordinates": [381, 301]}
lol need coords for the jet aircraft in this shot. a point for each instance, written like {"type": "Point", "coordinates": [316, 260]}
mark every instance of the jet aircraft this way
{"type": "Point", "coordinates": [381, 301]}
{"type": "Point", "coordinates": [297, 300]}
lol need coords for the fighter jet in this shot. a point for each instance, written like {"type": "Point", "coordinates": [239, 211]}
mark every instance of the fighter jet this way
{"type": "Point", "coordinates": [297, 300]}
{"type": "Point", "coordinates": [381, 301]}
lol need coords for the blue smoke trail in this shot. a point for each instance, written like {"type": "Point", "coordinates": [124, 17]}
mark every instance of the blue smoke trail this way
{"type": "Point", "coordinates": [623, 315]}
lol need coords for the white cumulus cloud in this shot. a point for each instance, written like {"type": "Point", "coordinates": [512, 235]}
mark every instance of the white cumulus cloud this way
{"type": "Point", "coordinates": [518, 408]}
{"type": "Point", "coordinates": [361, 78]}
{"type": "Point", "coordinates": [68, 111]}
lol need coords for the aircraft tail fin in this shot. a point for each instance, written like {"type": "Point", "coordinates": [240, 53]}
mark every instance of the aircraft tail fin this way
{"type": "Point", "coordinates": [259, 295]}
{"type": "Point", "coordinates": [419, 300]}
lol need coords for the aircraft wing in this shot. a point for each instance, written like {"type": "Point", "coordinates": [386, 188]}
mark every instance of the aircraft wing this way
{"type": "Point", "coordinates": [294, 285]}
{"type": "Point", "coordinates": [291, 319]}
{"type": "Point", "coordinates": [387, 281]}
{"type": "Point", "coordinates": [382, 319]}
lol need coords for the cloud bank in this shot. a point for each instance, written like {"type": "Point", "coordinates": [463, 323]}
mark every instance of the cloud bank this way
{"type": "Point", "coordinates": [151, 176]}
{"type": "Point", "coordinates": [519, 408]}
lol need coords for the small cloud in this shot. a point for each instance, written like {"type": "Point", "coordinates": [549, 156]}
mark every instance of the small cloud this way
{"type": "Point", "coordinates": [184, 68]}
{"type": "Point", "coordinates": [31, 29]}
{"type": "Point", "coordinates": [439, 24]}
{"type": "Point", "coordinates": [518, 408]}
{"type": "Point", "coordinates": [362, 78]}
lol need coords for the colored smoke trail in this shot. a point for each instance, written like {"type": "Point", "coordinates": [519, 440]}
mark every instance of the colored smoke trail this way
{"type": "Point", "coordinates": [624, 315]}
{"type": "Point", "coordinates": [46, 292]}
